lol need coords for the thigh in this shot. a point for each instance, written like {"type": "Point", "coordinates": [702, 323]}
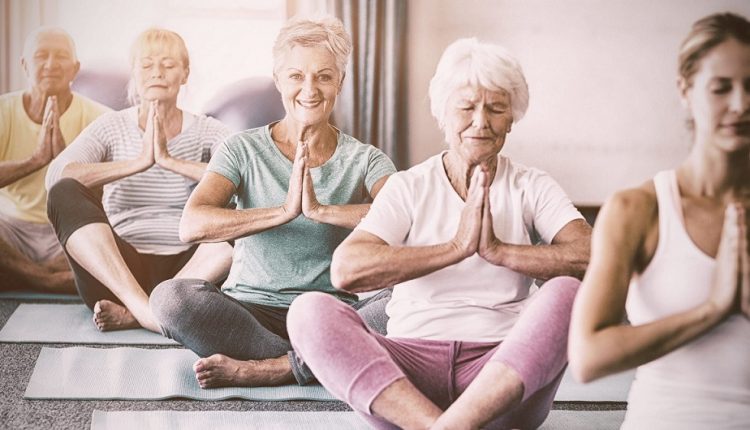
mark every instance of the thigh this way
{"type": "Point", "coordinates": [198, 315]}
{"type": "Point", "coordinates": [35, 241]}
{"type": "Point", "coordinates": [426, 363]}
{"type": "Point", "coordinates": [372, 310]}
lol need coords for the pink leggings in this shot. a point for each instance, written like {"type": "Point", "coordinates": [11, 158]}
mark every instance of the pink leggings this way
{"type": "Point", "coordinates": [356, 364]}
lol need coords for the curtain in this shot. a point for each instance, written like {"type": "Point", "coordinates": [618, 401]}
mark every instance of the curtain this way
{"type": "Point", "coordinates": [372, 103]}
{"type": "Point", "coordinates": [17, 19]}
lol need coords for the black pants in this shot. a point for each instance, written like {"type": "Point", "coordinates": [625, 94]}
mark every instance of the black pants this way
{"type": "Point", "coordinates": [70, 206]}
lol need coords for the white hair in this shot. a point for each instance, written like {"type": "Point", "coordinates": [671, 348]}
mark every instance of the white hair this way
{"type": "Point", "coordinates": [469, 62]}
{"type": "Point", "coordinates": [325, 30]}
{"type": "Point", "coordinates": [29, 45]}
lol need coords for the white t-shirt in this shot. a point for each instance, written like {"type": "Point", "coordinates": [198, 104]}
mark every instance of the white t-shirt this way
{"type": "Point", "coordinates": [472, 300]}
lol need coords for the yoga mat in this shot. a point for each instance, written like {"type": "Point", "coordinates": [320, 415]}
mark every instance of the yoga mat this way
{"type": "Point", "coordinates": [33, 295]}
{"type": "Point", "coordinates": [225, 420]}
{"type": "Point", "coordinates": [228, 420]}
{"type": "Point", "coordinates": [583, 420]}
{"type": "Point", "coordinates": [612, 388]}
{"type": "Point", "coordinates": [139, 374]}
{"type": "Point", "coordinates": [68, 323]}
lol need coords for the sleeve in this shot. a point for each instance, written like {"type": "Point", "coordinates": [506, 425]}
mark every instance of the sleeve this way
{"type": "Point", "coordinates": [390, 215]}
{"type": "Point", "coordinates": [226, 162]}
{"type": "Point", "coordinates": [551, 207]}
{"type": "Point", "coordinates": [216, 134]}
{"type": "Point", "coordinates": [378, 166]}
{"type": "Point", "coordinates": [89, 147]}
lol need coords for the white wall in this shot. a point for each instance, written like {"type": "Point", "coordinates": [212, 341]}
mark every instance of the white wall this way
{"type": "Point", "coordinates": [604, 111]}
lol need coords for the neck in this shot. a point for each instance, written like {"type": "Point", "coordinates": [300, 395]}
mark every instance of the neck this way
{"type": "Point", "coordinates": [35, 100]}
{"type": "Point", "coordinates": [459, 170]}
{"type": "Point", "coordinates": [715, 174]}
{"type": "Point", "coordinates": [318, 136]}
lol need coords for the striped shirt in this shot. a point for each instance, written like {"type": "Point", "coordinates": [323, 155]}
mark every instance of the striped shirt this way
{"type": "Point", "coordinates": [144, 209]}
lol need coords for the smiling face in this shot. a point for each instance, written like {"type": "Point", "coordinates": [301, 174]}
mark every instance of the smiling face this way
{"type": "Point", "coordinates": [476, 122]}
{"type": "Point", "coordinates": [159, 74]}
{"type": "Point", "coordinates": [309, 81]}
{"type": "Point", "coordinates": [719, 96]}
{"type": "Point", "coordinates": [50, 64]}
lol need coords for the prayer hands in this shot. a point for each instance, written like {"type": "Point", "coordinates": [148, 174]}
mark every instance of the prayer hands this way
{"type": "Point", "coordinates": [293, 204]}
{"type": "Point", "coordinates": [470, 226]}
{"type": "Point", "coordinates": [147, 152]}
{"type": "Point", "coordinates": [161, 154]}
{"type": "Point", "coordinates": [745, 256]}
{"type": "Point", "coordinates": [730, 277]}
{"type": "Point", "coordinates": [51, 142]}
{"type": "Point", "coordinates": [310, 204]}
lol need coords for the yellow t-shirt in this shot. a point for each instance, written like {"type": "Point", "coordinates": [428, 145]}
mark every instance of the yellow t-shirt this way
{"type": "Point", "coordinates": [26, 199]}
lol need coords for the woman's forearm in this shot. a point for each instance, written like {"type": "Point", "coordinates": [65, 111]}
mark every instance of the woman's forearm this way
{"type": "Point", "coordinates": [97, 174]}
{"type": "Point", "coordinates": [207, 223]}
{"type": "Point", "coordinates": [347, 216]}
{"type": "Point", "coordinates": [363, 266]}
{"type": "Point", "coordinates": [189, 169]}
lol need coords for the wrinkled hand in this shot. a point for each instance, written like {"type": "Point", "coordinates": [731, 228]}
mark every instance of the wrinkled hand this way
{"type": "Point", "coordinates": [470, 226]}
{"type": "Point", "coordinates": [727, 279]}
{"type": "Point", "coordinates": [310, 203]}
{"type": "Point", "coordinates": [293, 204]}
{"type": "Point", "coordinates": [161, 153]}
{"type": "Point", "coordinates": [147, 151]}
{"type": "Point", "coordinates": [58, 141]}
{"type": "Point", "coordinates": [44, 149]}
{"type": "Point", "coordinates": [488, 242]}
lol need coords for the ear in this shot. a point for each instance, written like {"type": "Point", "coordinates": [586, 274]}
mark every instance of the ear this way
{"type": "Point", "coordinates": [683, 87]}
{"type": "Point", "coordinates": [276, 82]}
{"type": "Point", "coordinates": [76, 69]}
{"type": "Point", "coordinates": [24, 66]}
{"type": "Point", "coordinates": [185, 78]}
{"type": "Point", "coordinates": [341, 83]}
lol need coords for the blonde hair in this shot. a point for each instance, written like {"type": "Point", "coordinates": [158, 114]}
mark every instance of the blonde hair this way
{"type": "Point", "coordinates": [156, 39]}
{"type": "Point", "coordinates": [469, 62]}
{"type": "Point", "coordinates": [325, 31]}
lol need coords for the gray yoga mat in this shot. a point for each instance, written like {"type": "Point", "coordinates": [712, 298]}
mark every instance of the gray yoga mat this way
{"type": "Point", "coordinates": [33, 295]}
{"type": "Point", "coordinates": [139, 374]}
{"type": "Point", "coordinates": [68, 323]}
{"type": "Point", "coordinates": [226, 420]}
{"type": "Point", "coordinates": [612, 388]}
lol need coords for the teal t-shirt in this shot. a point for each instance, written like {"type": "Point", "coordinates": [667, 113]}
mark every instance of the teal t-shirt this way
{"type": "Point", "coordinates": [273, 267]}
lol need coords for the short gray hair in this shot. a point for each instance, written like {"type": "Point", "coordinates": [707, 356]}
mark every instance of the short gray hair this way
{"type": "Point", "coordinates": [30, 43]}
{"type": "Point", "coordinates": [469, 62]}
{"type": "Point", "coordinates": [325, 31]}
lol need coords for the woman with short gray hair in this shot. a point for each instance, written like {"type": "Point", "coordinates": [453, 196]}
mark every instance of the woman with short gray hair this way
{"type": "Point", "coordinates": [301, 185]}
{"type": "Point", "coordinates": [460, 238]}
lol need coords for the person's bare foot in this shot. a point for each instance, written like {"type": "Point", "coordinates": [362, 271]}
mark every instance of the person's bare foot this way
{"type": "Point", "coordinates": [221, 371]}
{"type": "Point", "coordinates": [109, 316]}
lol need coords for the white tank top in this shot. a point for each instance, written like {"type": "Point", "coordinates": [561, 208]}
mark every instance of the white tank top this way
{"type": "Point", "coordinates": [705, 384]}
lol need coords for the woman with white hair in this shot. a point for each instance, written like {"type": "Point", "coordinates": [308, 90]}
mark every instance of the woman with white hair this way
{"type": "Point", "coordinates": [461, 236]}
{"type": "Point", "coordinates": [301, 185]}
{"type": "Point", "coordinates": [148, 158]}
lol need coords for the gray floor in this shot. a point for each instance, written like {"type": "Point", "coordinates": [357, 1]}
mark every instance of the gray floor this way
{"type": "Point", "coordinates": [17, 363]}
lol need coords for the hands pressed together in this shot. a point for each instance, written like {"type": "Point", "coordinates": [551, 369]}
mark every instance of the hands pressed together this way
{"type": "Point", "coordinates": [301, 198]}
{"type": "Point", "coordinates": [475, 231]}
{"type": "Point", "coordinates": [731, 286]}
{"type": "Point", "coordinates": [51, 142]}
{"type": "Point", "coordinates": [154, 138]}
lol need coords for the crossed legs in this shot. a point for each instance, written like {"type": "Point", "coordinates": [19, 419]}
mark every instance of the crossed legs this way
{"type": "Point", "coordinates": [416, 383]}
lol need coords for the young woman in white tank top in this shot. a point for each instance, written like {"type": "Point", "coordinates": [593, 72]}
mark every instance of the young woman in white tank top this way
{"type": "Point", "coordinates": [674, 254]}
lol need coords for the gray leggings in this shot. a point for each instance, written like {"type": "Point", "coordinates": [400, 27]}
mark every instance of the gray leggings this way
{"type": "Point", "coordinates": [198, 315]}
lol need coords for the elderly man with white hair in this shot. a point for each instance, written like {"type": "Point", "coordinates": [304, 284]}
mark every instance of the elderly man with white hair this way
{"type": "Point", "coordinates": [460, 237]}
{"type": "Point", "coordinates": [35, 126]}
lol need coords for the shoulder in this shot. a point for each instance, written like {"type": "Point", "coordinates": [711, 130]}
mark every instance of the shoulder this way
{"type": "Point", "coordinates": [89, 108]}
{"type": "Point", "coordinates": [632, 205]}
{"type": "Point", "coordinates": [247, 142]}
{"type": "Point", "coordinates": [629, 218]}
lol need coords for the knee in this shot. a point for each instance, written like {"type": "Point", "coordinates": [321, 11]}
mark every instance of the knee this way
{"type": "Point", "coordinates": [309, 313]}
{"type": "Point", "coordinates": [171, 301]}
{"type": "Point", "coordinates": [562, 287]}
{"type": "Point", "coordinates": [61, 195]}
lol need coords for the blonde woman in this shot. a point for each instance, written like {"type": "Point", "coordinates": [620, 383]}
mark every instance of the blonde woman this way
{"type": "Point", "coordinates": [148, 158]}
